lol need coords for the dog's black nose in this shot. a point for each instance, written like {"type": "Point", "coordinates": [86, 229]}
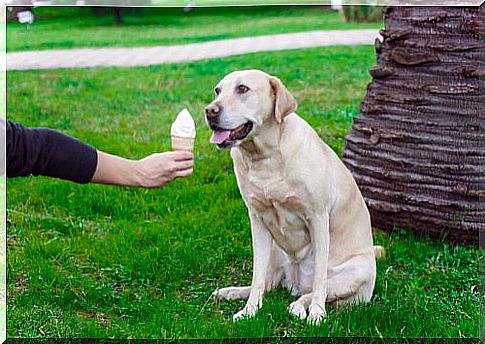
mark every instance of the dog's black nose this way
{"type": "Point", "coordinates": [212, 111]}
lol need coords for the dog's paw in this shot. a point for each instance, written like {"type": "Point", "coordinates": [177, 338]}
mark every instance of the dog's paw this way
{"type": "Point", "coordinates": [248, 311]}
{"type": "Point", "coordinates": [217, 294]}
{"type": "Point", "coordinates": [231, 293]}
{"type": "Point", "coordinates": [298, 310]}
{"type": "Point", "coordinates": [316, 314]}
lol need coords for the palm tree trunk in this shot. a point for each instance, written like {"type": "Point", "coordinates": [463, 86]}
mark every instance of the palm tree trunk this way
{"type": "Point", "coordinates": [417, 149]}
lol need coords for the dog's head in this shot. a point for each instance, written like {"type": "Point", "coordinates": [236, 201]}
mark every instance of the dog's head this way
{"type": "Point", "coordinates": [244, 102]}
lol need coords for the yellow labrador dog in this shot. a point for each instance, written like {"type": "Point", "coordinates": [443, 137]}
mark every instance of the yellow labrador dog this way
{"type": "Point", "coordinates": [310, 227]}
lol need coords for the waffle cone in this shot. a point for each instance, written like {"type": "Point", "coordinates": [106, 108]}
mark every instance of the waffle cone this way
{"type": "Point", "coordinates": [183, 143]}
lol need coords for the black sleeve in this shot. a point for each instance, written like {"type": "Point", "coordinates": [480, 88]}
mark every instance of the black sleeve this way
{"type": "Point", "coordinates": [46, 152]}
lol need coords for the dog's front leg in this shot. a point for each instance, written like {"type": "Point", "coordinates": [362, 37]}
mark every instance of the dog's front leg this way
{"type": "Point", "coordinates": [319, 229]}
{"type": "Point", "coordinates": [262, 243]}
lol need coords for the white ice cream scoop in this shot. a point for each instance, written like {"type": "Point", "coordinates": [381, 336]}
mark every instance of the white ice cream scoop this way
{"type": "Point", "coordinates": [183, 131]}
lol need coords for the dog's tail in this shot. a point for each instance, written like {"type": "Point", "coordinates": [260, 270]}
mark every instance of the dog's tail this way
{"type": "Point", "coordinates": [379, 252]}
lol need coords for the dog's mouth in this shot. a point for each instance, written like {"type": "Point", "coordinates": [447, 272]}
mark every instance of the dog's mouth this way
{"type": "Point", "coordinates": [228, 137]}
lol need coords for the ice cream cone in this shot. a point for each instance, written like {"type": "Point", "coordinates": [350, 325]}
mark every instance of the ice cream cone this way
{"type": "Point", "coordinates": [183, 132]}
{"type": "Point", "coordinates": [182, 143]}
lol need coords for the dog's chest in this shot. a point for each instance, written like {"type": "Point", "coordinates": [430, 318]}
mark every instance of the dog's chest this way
{"type": "Point", "coordinates": [281, 210]}
{"type": "Point", "coordinates": [271, 192]}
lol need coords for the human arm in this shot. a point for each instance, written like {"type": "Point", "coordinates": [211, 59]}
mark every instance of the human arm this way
{"type": "Point", "coordinates": [47, 152]}
{"type": "Point", "coordinates": [42, 151]}
{"type": "Point", "coordinates": [155, 170]}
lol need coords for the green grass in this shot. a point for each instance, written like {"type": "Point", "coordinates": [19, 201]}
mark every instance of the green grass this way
{"type": "Point", "coordinates": [79, 27]}
{"type": "Point", "coordinates": [104, 261]}
{"type": "Point", "coordinates": [237, 2]}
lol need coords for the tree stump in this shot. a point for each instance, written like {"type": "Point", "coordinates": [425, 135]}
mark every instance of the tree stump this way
{"type": "Point", "coordinates": [417, 149]}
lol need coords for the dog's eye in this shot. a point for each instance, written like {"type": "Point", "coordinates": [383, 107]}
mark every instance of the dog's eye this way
{"type": "Point", "coordinates": [242, 89]}
{"type": "Point", "coordinates": [217, 90]}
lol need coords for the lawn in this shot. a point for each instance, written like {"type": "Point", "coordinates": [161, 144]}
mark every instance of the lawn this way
{"type": "Point", "coordinates": [237, 2]}
{"type": "Point", "coordinates": [69, 27]}
{"type": "Point", "coordinates": [104, 261]}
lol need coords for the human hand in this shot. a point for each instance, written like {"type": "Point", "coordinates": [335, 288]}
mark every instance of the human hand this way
{"type": "Point", "coordinates": [159, 169]}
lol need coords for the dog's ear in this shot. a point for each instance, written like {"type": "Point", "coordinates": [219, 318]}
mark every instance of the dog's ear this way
{"type": "Point", "coordinates": [284, 101]}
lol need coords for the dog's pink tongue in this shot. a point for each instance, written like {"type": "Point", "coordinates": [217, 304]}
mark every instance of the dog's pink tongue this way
{"type": "Point", "coordinates": [219, 136]}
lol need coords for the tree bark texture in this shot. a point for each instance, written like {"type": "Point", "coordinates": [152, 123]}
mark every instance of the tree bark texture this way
{"type": "Point", "coordinates": [417, 149]}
